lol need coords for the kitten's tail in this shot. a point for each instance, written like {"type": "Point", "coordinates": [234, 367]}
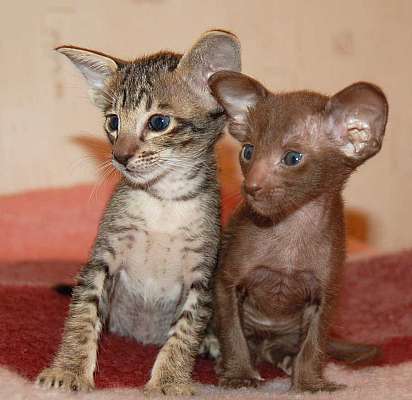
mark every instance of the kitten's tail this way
{"type": "Point", "coordinates": [352, 353]}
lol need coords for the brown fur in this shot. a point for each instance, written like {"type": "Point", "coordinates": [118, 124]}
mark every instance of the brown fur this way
{"type": "Point", "coordinates": [284, 248]}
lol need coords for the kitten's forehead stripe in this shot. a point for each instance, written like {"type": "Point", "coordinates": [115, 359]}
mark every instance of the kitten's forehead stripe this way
{"type": "Point", "coordinates": [124, 97]}
{"type": "Point", "coordinates": [139, 98]}
{"type": "Point", "coordinates": [135, 79]}
{"type": "Point", "coordinates": [149, 102]}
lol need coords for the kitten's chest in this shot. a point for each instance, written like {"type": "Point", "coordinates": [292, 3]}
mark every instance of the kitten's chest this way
{"type": "Point", "coordinates": [157, 253]}
{"type": "Point", "coordinates": [155, 265]}
{"type": "Point", "coordinates": [274, 301]}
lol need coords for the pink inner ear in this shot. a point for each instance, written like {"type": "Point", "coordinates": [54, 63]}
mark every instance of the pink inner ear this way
{"type": "Point", "coordinates": [359, 115]}
{"type": "Point", "coordinates": [236, 92]}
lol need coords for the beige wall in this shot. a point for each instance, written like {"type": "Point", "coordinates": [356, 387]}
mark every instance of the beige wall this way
{"type": "Point", "coordinates": [320, 45]}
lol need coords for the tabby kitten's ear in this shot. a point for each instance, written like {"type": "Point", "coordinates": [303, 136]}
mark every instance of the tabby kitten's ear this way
{"type": "Point", "coordinates": [214, 51]}
{"type": "Point", "coordinates": [95, 67]}
{"type": "Point", "coordinates": [237, 94]}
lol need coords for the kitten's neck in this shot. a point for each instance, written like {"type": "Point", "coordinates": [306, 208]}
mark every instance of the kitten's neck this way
{"type": "Point", "coordinates": [318, 211]}
{"type": "Point", "coordinates": [321, 210]}
{"type": "Point", "coordinates": [182, 182]}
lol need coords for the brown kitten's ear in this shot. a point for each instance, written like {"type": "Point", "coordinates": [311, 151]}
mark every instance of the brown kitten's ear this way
{"type": "Point", "coordinates": [357, 118]}
{"type": "Point", "coordinates": [237, 94]}
{"type": "Point", "coordinates": [214, 51]}
{"type": "Point", "coordinates": [95, 67]}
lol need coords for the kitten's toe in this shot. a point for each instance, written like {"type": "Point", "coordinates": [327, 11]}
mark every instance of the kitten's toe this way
{"type": "Point", "coordinates": [170, 389]}
{"type": "Point", "coordinates": [236, 382]}
{"type": "Point", "coordinates": [286, 365]}
{"type": "Point", "coordinates": [318, 386]}
{"type": "Point", "coordinates": [332, 387]}
{"type": "Point", "coordinates": [59, 378]}
{"type": "Point", "coordinates": [210, 347]}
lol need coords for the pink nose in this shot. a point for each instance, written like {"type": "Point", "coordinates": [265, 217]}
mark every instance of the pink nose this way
{"type": "Point", "coordinates": [125, 148]}
{"type": "Point", "coordinates": [123, 157]}
{"type": "Point", "coordinates": [252, 188]}
{"type": "Point", "coordinates": [255, 178]}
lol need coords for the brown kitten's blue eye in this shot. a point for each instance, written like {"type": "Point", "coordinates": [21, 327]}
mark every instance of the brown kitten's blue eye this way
{"type": "Point", "coordinates": [247, 152]}
{"type": "Point", "coordinates": [112, 123]}
{"type": "Point", "coordinates": [158, 122]}
{"type": "Point", "coordinates": [292, 158]}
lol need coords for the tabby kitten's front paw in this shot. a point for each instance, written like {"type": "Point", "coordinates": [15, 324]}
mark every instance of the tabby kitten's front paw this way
{"type": "Point", "coordinates": [317, 385]}
{"type": "Point", "coordinates": [236, 382]}
{"type": "Point", "coordinates": [169, 389]}
{"type": "Point", "coordinates": [63, 379]}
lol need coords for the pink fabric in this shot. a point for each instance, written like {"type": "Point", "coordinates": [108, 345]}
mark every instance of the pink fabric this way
{"type": "Point", "coordinates": [53, 224]}
{"type": "Point", "coordinates": [61, 224]}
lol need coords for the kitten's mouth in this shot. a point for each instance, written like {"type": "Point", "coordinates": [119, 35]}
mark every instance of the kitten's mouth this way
{"type": "Point", "coordinates": [259, 206]}
{"type": "Point", "coordinates": [140, 172]}
{"type": "Point", "coordinates": [262, 204]}
{"type": "Point", "coordinates": [149, 174]}
{"type": "Point", "coordinates": [270, 206]}
{"type": "Point", "coordinates": [133, 174]}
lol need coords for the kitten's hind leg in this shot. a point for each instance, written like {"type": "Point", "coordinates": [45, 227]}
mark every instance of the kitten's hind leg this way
{"type": "Point", "coordinates": [307, 371]}
{"type": "Point", "coordinates": [171, 373]}
{"type": "Point", "coordinates": [74, 364]}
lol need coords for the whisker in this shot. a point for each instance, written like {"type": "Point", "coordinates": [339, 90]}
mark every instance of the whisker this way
{"type": "Point", "coordinates": [106, 172]}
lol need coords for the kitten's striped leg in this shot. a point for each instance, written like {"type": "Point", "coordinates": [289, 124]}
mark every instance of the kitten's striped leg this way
{"type": "Point", "coordinates": [172, 371]}
{"type": "Point", "coordinates": [74, 364]}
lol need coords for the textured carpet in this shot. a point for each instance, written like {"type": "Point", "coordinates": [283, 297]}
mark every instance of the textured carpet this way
{"type": "Point", "coordinates": [375, 307]}
{"type": "Point", "coordinates": [383, 383]}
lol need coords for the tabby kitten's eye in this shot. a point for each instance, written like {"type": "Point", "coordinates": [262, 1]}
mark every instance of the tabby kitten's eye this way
{"type": "Point", "coordinates": [292, 158]}
{"type": "Point", "coordinates": [112, 123]}
{"type": "Point", "coordinates": [247, 152]}
{"type": "Point", "coordinates": [158, 122]}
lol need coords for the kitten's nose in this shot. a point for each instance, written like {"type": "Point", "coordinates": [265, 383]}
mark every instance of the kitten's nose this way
{"type": "Point", "coordinates": [252, 188]}
{"type": "Point", "coordinates": [255, 178]}
{"type": "Point", "coordinates": [125, 148]}
{"type": "Point", "coordinates": [123, 157]}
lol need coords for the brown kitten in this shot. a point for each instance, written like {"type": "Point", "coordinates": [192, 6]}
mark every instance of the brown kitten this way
{"type": "Point", "coordinates": [284, 248]}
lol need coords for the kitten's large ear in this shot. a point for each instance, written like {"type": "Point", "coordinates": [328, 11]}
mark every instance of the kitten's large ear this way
{"type": "Point", "coordinates": [357, 118]}
{"type": "Point", "coordinates": [237, 94]}
{"type": "Point", "coordinates": [214, 51]}
{"type": "Point", "coordinates": [95, 67]}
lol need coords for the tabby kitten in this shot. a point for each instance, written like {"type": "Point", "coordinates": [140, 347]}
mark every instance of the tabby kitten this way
{"type": "Point", "coordinates": [149, 273]}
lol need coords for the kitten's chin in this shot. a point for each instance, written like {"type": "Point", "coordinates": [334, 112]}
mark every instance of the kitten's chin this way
{"type": "Point", "coordinates": [142, 177]}
{"type": "Point", "coordinates": [145, 178]}
{"type": "Point", "coordinates": [260, 208]}
{"type": "Point", "coordinates": [272, 208]}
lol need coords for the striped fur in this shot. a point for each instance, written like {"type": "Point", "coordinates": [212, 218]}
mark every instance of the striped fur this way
{"type": "Point", "coordinates": [150, 269]}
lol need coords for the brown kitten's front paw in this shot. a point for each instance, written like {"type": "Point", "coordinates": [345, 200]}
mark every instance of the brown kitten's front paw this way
{"type": "Point", "coordinates": [59, 378]}
{"type": "Point", "coordinates": [236, 382]}
{"type": "Point", "coordinates": [170, 389]}
{"type": "Point", "coordinates": [317, 386]}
